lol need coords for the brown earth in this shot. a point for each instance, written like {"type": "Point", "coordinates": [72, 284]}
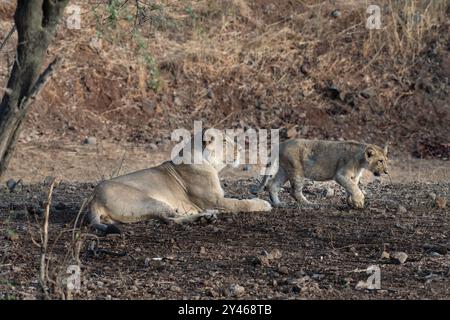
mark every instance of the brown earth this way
{"type": "Point", "coordinates": [237, 64]}
{"type": "Point", "coordinates": [248, 64]}
{"type": "Point", "coordinates": [318, 253]}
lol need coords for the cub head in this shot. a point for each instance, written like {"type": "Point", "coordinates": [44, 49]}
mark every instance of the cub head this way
{"type": "Point", "coordinates": [376, 159]}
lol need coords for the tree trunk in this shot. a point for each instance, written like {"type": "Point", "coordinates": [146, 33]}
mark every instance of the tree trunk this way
{"type": "Point", "coordinates": [36, 21]}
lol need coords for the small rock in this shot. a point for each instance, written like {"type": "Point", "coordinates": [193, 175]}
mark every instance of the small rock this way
{"type": "Point", "coordinates": [100, 284]}
{"type": "Point", "coordinates": [12, 184]}
{"type": "Point", "coordinates": [283, 270]}
{"type": "Point", "coordinates": [401, 209]}
{"type": "Point", "coordinates": [147, 261]}
{"type": "Point", "coordinates": [237, 290]}
{"type": "Point", "coordinates": [176, 289]}
{"type": "Point", "coordinates": [305, 68]}
{"type": "Point", "coordinates": [211, 292]}
{"type": "Point", "coordinates": [275, 254]}
{"type": "Point", "coordinates": [332, 91]}
{"type": "Point", "coordinates": [441, 202]}
{"type": "Point", "coordinates": [432, 195]}
{"type": "Point", "coordinates": [210, 94]}
{"type": "Point", "coordinates": [398, 257]}
{"type": "Point", "coordinates": [202, 250]}
{"type": "Point", "coordinates": [336, 13]}
{"type": "Point", "coordinates": [385, 255]}
{"type": "Point", "coordinates": [153, 146]}
{"type": "Point", "coordinates": [328, 193]}
{"type": "Point", "coordinates": [261, 260]}
{"type": "Point", "coordinates": [90, 140]}
{"type": "Point", "coordinates": [367, 93]}
{"type": "Point", "coordinates": [177, 101]}
{"type": "Point", "coordinates": [435, 254]}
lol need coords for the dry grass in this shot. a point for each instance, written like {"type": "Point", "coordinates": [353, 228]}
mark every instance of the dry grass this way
{"type": "Point", "coordinates": [184, 60]}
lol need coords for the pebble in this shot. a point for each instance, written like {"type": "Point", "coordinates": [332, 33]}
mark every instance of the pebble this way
{"type": "Point", "coordinates": [399, 257]}
{"type": "Point", "coordinates": [236, 290]}
{"type": "Point", "coordinates": [367, 93]}
{"type": "Point", "coordinates": [275, 254]}
{"type": "Point", "coordinates": [401, 209]}
{"type": "Point", "coordinates": [261, 260]}
{"type": "Point", "coordinates": [176, 289]}
{"type": "Point", "coordinates": [336, 13]}
{"type": "Point", "coordinates": [11, 184]}
{"type": "Point", "coordinates": [305, 68]}
{"type": "Point", "coordinates": [90, 140]}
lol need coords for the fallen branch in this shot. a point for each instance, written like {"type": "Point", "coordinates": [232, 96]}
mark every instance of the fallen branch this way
{"type": "Point", "coordinates": [43, 275]}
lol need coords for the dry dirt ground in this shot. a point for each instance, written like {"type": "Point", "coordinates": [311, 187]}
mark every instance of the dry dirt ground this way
{"type": "Point", "coordinates": [290, 253]}
{"type": "Point", "coordinates": [236, 64]}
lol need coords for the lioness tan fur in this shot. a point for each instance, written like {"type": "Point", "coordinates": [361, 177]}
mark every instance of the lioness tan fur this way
{"type": "Point", "coordinates": [342, 161]}
{"type": "Point", "coordinates": [168, 192]}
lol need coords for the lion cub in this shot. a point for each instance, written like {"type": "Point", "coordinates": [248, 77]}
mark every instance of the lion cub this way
{"type": "Point", "coordinates": [342, 161]}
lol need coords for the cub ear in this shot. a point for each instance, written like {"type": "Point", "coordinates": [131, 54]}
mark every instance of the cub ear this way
{"type": "Point", "coordinates": [370, 152]}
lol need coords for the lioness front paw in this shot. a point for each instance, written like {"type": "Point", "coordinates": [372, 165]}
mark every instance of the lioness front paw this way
{"type": "Point", "coordinates": [356, 202]}
{"type": "Point", "coordinates": [261, 205]}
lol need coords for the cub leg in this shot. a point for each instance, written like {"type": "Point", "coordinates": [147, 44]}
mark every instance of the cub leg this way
{"type": "Point", "coordinates": [275, 185]}
{"type": "Point", "coordinates": [259, 188]}
{"type": "Point", "coordinates": [355, 196]}
{"type": "Point", "coordinates": [297, 183]}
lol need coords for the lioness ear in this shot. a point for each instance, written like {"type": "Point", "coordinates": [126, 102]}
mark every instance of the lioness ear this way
{"type": "Point", "coordinates": [208, 139]}
{"type": "Point", "coordinates": [370, 152]}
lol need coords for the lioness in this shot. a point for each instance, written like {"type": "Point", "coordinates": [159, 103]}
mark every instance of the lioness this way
{"type": "Point", "coordinates": [342, 161]}
{"type": "Point", "coordinates": [169, 192]}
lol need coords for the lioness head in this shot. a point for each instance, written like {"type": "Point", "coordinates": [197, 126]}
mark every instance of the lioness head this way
{"type": "Point", "coordinates": [376, 160]}
{"type": "Point", "coordinates": [221, 149]}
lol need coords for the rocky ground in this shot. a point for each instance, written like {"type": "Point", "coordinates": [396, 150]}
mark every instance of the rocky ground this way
{"type": "Point", "coordinates": [290, 253]}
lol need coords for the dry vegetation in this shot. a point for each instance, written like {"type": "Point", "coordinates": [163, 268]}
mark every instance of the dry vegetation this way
{"type": "Point", "coordinates": [135, 74]}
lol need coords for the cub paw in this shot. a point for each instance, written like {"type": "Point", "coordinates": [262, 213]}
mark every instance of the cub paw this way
{"type": "Point", "coordinates": [355, 202]}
